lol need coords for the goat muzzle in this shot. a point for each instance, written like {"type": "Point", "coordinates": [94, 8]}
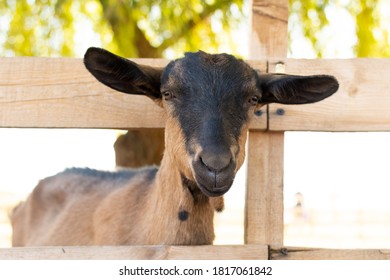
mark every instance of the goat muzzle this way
{"type": "Point", "coordinates": [214, 174]}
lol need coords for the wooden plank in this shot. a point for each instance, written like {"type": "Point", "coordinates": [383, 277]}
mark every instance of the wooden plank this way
{"type": "Point", "coordinates": [269, 28]}
{"type": "Point", "coordinates": [264, 196]}
{"type": "Point", "coordinates": [294, 253]}
{"type": "Point", "coordinates": [361, 104]}
{"type": "Point", "coordinates": [264, 192]}
{"type": "Point", "coordinates": [60, 93]}
{"type": "Point", "coordinates": [230, 252]}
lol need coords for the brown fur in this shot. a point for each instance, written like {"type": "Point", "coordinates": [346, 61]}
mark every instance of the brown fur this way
{"type": "Point", "coordinates": [139, 147]}
{"type": "Point", "coordinates": [75, 209]}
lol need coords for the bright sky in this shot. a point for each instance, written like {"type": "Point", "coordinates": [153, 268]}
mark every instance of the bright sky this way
{"type": "Point", "coordinates": [338, 170]}
{"type": "Point", "coordinates": [28, 155]}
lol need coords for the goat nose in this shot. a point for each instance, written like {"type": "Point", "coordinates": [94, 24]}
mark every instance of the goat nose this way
{"type": "Point", "coordinates": [216, 161]}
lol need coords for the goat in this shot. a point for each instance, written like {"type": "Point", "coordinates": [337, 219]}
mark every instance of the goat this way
{"type": "Point", "coordinates": [209, 100]}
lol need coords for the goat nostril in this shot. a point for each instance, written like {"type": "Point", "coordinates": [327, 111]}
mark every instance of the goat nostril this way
{"type": "Point", "coordinates": [216, 163]}
{"type": "Point", "coordinates": [208, 167]}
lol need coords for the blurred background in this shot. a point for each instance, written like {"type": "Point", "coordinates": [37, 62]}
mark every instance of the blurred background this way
{"type": "Point", "coordinates": [337, 185]}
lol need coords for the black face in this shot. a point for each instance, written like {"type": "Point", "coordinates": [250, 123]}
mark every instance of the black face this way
{"type": "Point", "coordinates": [211, 96]}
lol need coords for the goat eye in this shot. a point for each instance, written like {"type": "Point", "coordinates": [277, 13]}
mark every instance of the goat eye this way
{"type": "Point", "coordinates": [254, 100]}
{"type": "Point", "coordinates": [168, 95]}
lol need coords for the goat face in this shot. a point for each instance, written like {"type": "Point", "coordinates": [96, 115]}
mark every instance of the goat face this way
{"type": "Point", "coordinates": [209, 100]}
{"type": "Point", "coordinates": [210, 97]}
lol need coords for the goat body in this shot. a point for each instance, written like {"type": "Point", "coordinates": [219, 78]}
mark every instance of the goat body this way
{"type": "Point", "coordinates": [208, 100]}
{"type": "Point", "coordinates": [89, 207]}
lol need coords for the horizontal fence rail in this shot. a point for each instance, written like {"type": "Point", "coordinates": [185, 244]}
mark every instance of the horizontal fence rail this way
{"type": "Point", "coordinates": [362, 102]}
{"type": "Point", "coordinates": [216, 252]}
{"type": "Point", "coordinates": [60, 93]}
{"type": "Point", "coordinates": [296, 253]}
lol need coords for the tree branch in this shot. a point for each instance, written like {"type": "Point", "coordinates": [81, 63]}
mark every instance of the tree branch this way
{"type": "Point", "coordinates": [191, 24]}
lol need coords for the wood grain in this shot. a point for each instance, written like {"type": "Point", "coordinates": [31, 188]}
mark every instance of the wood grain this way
{"type": "Point", "coordinates": [264, 193]}
{"type": "Point", "coordinates": [264, 196]}
{"type": "Point", "coordinates": [361, 104]}
{"type": "Point", "coordinates": [60, 93]}
{"type": "Point", "coordinates": [230, 252]}
{"type": "Point", "coordinates": [269, 28]}
{"type": "Point", "coordinates": [294, 253]}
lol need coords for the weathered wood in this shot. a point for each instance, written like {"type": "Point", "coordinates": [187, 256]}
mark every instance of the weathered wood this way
{"type": "Point", "coordinates": [269, 28]}
{"type": "Point", "coordinates": [232, 252]}
{"type": "Point", "coordinates": [361, 104]}
{"type": "Point", "coordinates": [59, 92]}
{"type": "Point", "coordinates": [264, 196]}
{"type": "Point", "coordinates": [294, 253]}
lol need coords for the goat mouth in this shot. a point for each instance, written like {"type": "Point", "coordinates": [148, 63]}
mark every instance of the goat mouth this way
{"type": "Point", "coordinates": [213, 183]}
{"type": "Point", "coordinates": [214, 191]}
{"type": "Point", "coordinates": [198, 188]}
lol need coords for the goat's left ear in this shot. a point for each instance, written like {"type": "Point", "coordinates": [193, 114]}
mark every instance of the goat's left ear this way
{"type": "Point", "coordinates": [122, 74]}
{"type": "Point", "coordinates": [291, 89]}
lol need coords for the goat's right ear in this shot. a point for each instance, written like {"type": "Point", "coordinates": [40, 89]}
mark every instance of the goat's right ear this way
{"type": "Point", "coordinates": [122, 74]}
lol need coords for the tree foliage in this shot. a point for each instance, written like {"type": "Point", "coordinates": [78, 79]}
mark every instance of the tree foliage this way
{"type": "Point", "coordinates": [372, 35]}
{"type": "Point", "coordinates": [156, 28]}
{"type": "Point", "coordinates": [373, 40]}
{"type": "Point", "coordinates": [132, 28]}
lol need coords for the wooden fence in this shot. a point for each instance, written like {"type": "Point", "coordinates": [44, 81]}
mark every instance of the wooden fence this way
{"type": "Point", "coordinates": [60, 93]}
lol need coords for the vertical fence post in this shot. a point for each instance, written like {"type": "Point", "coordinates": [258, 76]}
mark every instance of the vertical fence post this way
{"type": "Point", "coordinates": [264, 197]}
